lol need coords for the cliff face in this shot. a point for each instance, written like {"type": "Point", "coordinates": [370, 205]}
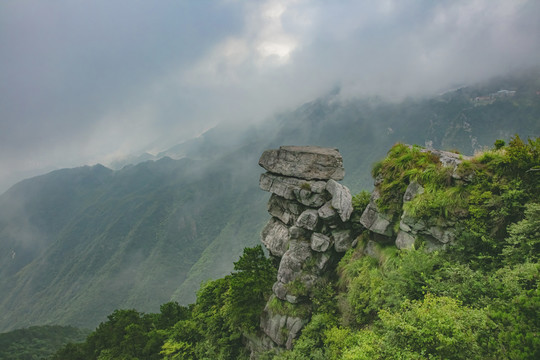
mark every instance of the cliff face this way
{"type": "Point", "coordinates": [309, 230]}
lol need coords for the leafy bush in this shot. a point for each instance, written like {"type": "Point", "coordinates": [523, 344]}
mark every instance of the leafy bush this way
{"type": "Point", "coordinates": [523, 244]}
{"type": "Point", "coordinates": [403, 165]}
{"type": "Point", "coordinates": [361, 200]}
{"type": "Point", "coordinates": [436, 328]}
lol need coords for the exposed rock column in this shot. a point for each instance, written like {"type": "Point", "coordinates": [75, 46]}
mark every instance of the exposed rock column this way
{"type": "Point", "coordinates": [309, 226]}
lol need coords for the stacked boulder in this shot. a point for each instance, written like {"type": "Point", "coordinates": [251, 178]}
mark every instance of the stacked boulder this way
{"type": "Point", "coordinates": [309, 227]}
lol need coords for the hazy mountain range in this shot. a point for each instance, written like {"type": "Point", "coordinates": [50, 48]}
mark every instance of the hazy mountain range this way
{"type": "Point", "coordinates": [79, 243]}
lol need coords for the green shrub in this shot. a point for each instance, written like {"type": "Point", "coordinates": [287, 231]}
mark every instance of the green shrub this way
{"type": "Point", "coordinates": [436, 328]}
{"type": "Point", "coordinates": [361, 200]}
{"type": "Point", "coordinates": [283, 307]}
{"type": "Point", "coordinates": [523, 244]}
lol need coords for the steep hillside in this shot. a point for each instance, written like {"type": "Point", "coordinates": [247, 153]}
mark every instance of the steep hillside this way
{"type": "Point", "coordinates": [127, 241]}
{"type": "Point", "coordinates": [79, 243]}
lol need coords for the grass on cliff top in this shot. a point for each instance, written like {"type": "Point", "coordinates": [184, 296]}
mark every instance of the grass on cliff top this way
{"type": "Point", "coordinates": [403, 165]}
{"type": "Point", "coordinates": [494, 174]}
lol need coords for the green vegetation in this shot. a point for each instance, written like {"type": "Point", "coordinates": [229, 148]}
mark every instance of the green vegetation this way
{"type": "Point", "coordinates": [286, 308]}
{"type": "Point", "coordinates": [211, 328]}
{"type": "Point", "coordinates": [477, 299]}
{"type": "Point", "coordinates": [361, 200]}
{"type": "Point", "coordinates": [37, 342]}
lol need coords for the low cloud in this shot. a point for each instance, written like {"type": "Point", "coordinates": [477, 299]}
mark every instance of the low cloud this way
{"type": "Point", "coordinates": [84, 82]}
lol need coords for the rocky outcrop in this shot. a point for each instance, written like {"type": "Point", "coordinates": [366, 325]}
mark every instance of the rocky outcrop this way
{"type": "Point", "coordinates": [310, 228]}
{"type": "Point", "coordinates": [374, 220]}
{"type": "Point", "coordinates": [313, 224]}
{"type": "Point", "coordinates": [275, 236]}
{"type": "Point", "coordinates": [307, 162]}
{"type": "Point", "coordinates": [433, 232]}
{"type": "Point", "coordinates": [341, 199]}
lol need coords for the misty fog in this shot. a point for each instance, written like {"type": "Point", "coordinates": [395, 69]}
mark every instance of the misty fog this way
{"type": "Point", "coordinates": [88, 82]}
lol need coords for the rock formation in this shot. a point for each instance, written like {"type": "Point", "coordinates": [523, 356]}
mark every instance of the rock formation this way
{"type": "Point", "coordinates": [313, 225]}
{"type": "Point", "coordinates": [309, 228]}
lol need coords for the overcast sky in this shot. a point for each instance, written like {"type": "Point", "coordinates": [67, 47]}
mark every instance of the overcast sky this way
{"type": "Point", "coordinates": [87, 81]}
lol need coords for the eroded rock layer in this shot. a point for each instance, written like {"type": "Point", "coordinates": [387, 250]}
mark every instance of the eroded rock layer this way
{"type": "Point", "coordinates": [310, 227]}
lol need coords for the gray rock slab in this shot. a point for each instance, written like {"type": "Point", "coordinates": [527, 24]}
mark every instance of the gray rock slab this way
{"type": "Point", "coordinates": [282, 329]}
{"type": "Point", "coordinates": [374, 220]}
{"type": "Point", "coordinates": [309, 198]}
{"type": "Point", "coordinates": [279, 290]}
{"type": "Point", "coordinates": [413, 189]}
{"type": "Point", "coordinates": [308, 193]}
{"type": "Point", "coordinates": [327, 212]}
{"type": "Point", "coordinates": [447, 158]}
{"type": "Point", "coordinates": [322, 261]}
{"type": "Point", "coordinates": [371, 249]}
{"type": "Point", "coordinates": [285, 210]}
{"type": "Point", "coordinates": [308, 219]}
{"type": "Point", "coordinates": [291, 263]}
{"type": "Point", "coordinates": [404, 240]}
{"type": "Point", "coordinates": [275, 236]}
{"type": "Point", "coordinates": [320, 242]}
{"type": "Point", "coordinates": [341, 199]}
{"type": "Point", "coordinates": [343, 240]}
{"type": "Point", "coordinates": [280, 185]}
{"type": "Point", "coordinates": [306, 162]}
{"type": "Point", "coordinates": [297, 233]}
{"type": "Point", "coordinates": [442, 234]}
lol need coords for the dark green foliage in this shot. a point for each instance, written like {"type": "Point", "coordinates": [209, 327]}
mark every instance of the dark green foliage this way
{"type": "Point", "coordinates": [127, 334]}
{"type": "Point", "coordinates": [434, 328]}
{"type": "Point", "coordinates": [249, 288]}
{"type": "Point", "coordinates": [523, 242]}
{"type": "Point", "coordinates": [311, 346]}
{"type": "Point", "coordinates": [37, 342]}
{"type": "Point", "coordinates": [499, 144]}
{"type": "Point", "coordinates": [224, 310]}
{"type": "Point", "coordinates": [515, 310]}
{"type": "Point", "coordinates": [501, 186]}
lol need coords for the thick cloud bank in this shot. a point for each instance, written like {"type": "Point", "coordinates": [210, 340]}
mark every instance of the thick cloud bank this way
{"type": "Point", "coordinates": [82, 82]}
